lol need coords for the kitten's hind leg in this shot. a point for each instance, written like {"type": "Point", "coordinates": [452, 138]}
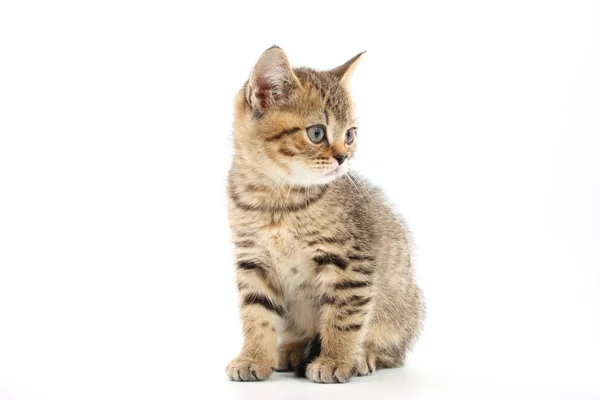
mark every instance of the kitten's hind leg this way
{"type": "Point", "coordinates": [377, 357]}
{"type": "Point", "coordinates": [311, 352]}
{"type": "Point", "coordinates": [290, 354]}
{"type": "Point", "coordinates": [366, 363]}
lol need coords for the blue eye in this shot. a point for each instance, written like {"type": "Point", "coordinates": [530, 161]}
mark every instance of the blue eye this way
{"type": "Point", "coordinates": [350, 135]}
{"type": "Point", "coordinates": [316, 133]}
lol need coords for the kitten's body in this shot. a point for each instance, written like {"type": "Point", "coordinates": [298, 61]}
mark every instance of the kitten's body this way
{"type": "Point", "coordinates": [326, 265]}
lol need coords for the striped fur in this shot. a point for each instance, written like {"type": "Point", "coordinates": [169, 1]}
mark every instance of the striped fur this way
{"type": "Point", "coordinates": [324, 270]}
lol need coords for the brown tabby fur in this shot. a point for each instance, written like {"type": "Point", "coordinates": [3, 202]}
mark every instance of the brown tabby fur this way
{"type": "Point", "coordinates": [324, 270]}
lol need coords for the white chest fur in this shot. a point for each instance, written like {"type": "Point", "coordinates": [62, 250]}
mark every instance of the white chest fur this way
{"type": "Point", "coordinates": [286, 251]}
{"type": "Point", "coordinates": [295, 271]}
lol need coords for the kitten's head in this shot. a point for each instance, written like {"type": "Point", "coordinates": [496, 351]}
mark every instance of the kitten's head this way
{"type": "Point", "coordinates": [295, 126]}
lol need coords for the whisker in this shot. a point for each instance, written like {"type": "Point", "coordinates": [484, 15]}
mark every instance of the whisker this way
{"type": "Point", "coordinates": [365, 184]}
{"type": "Point", "coordinates": [360, 198]}
{"type": "Point", "coordinates": [275, 186]}
{"type": "Point", "coordinates": [306, 193]}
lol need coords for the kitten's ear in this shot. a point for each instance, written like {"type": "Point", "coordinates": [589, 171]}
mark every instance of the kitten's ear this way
{"type": "Point", "coordinates": [272, 80]}
{"type": "Point", "coordinates": [344, 71]}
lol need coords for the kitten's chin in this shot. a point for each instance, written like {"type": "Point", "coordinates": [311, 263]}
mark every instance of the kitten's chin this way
{"type": "Point", "coordinates": [302, 176]}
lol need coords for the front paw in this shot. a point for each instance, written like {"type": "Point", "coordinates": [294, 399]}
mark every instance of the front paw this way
{"type": "Point", "coordinates": [329, 370]}
{"type": "Point", "coordinates": [247, 369]}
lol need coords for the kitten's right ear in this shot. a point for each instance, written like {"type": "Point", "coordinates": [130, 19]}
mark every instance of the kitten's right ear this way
{"type": "Point", "coordinates": [344, 71]}
{"type": "Point", "coordinates": [272, 80]}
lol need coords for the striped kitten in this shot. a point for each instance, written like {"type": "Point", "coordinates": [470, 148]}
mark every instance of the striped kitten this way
{"type": "Point", "coordinates": [324, 272]}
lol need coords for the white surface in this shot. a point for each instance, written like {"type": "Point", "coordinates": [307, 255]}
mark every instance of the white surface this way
{"type": "Point", "coordinates": [480, 121]}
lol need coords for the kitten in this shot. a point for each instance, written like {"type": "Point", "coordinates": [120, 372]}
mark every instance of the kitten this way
{"type": "Point", "coordinates": [324, 271]}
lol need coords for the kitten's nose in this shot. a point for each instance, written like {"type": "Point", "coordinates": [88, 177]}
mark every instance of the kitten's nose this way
{"type": "Point", "coordinates": [340, 158]}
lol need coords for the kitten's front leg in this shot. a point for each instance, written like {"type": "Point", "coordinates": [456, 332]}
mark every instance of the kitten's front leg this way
{"type": "Point", "coordinates": [346, 303]}
{"type": "Point", "coordinates": [261, 303]}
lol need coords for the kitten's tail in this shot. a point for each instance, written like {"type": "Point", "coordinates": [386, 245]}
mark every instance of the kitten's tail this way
{"type": "Point", "coordinates": [311, 352]}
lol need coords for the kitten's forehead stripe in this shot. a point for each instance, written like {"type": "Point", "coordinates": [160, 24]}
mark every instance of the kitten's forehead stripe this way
{"type": "Point", "coordinates": [334, 96]}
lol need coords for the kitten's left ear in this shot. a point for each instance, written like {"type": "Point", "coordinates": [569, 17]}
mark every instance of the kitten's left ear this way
{"type": "Point", "coordinates": [344, 71]}
{"type": "Point", "coordinates": [272, 80]}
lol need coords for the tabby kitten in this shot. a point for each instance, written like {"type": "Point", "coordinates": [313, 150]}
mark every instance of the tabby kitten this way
{"type": "Point", "coordinates": [324, 272]}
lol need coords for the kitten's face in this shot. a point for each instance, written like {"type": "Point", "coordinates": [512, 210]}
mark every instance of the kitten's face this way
{"type": "Point", "coordinates": [295, 126]}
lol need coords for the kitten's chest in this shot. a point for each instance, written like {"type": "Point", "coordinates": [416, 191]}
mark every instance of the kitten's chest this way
{"type": "Point", "coordinates": [292, 263]}
{"type": "Point", "coordinates": [288, 253]}
{"type": "Point", "coordinates": [283, 244]}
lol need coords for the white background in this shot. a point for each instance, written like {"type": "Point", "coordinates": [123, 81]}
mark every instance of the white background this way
{"type": "Point", "coordinates": [480, 120]}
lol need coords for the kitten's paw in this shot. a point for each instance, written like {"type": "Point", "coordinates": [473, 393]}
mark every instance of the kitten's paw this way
{"type": "Point", "coordinates": [328, 370]}
{"type": "Point", "coordinates": [290, 355]}
{"type": "Point", "coordinates": [246, 369]}
{"type": "Point", "coordinates": [366, 364]}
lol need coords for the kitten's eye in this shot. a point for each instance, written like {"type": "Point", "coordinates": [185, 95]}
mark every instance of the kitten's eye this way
{"type": "Point", "coordinates": [350, 135]}
{"type": "Point", "coordinates": [316, 133]}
